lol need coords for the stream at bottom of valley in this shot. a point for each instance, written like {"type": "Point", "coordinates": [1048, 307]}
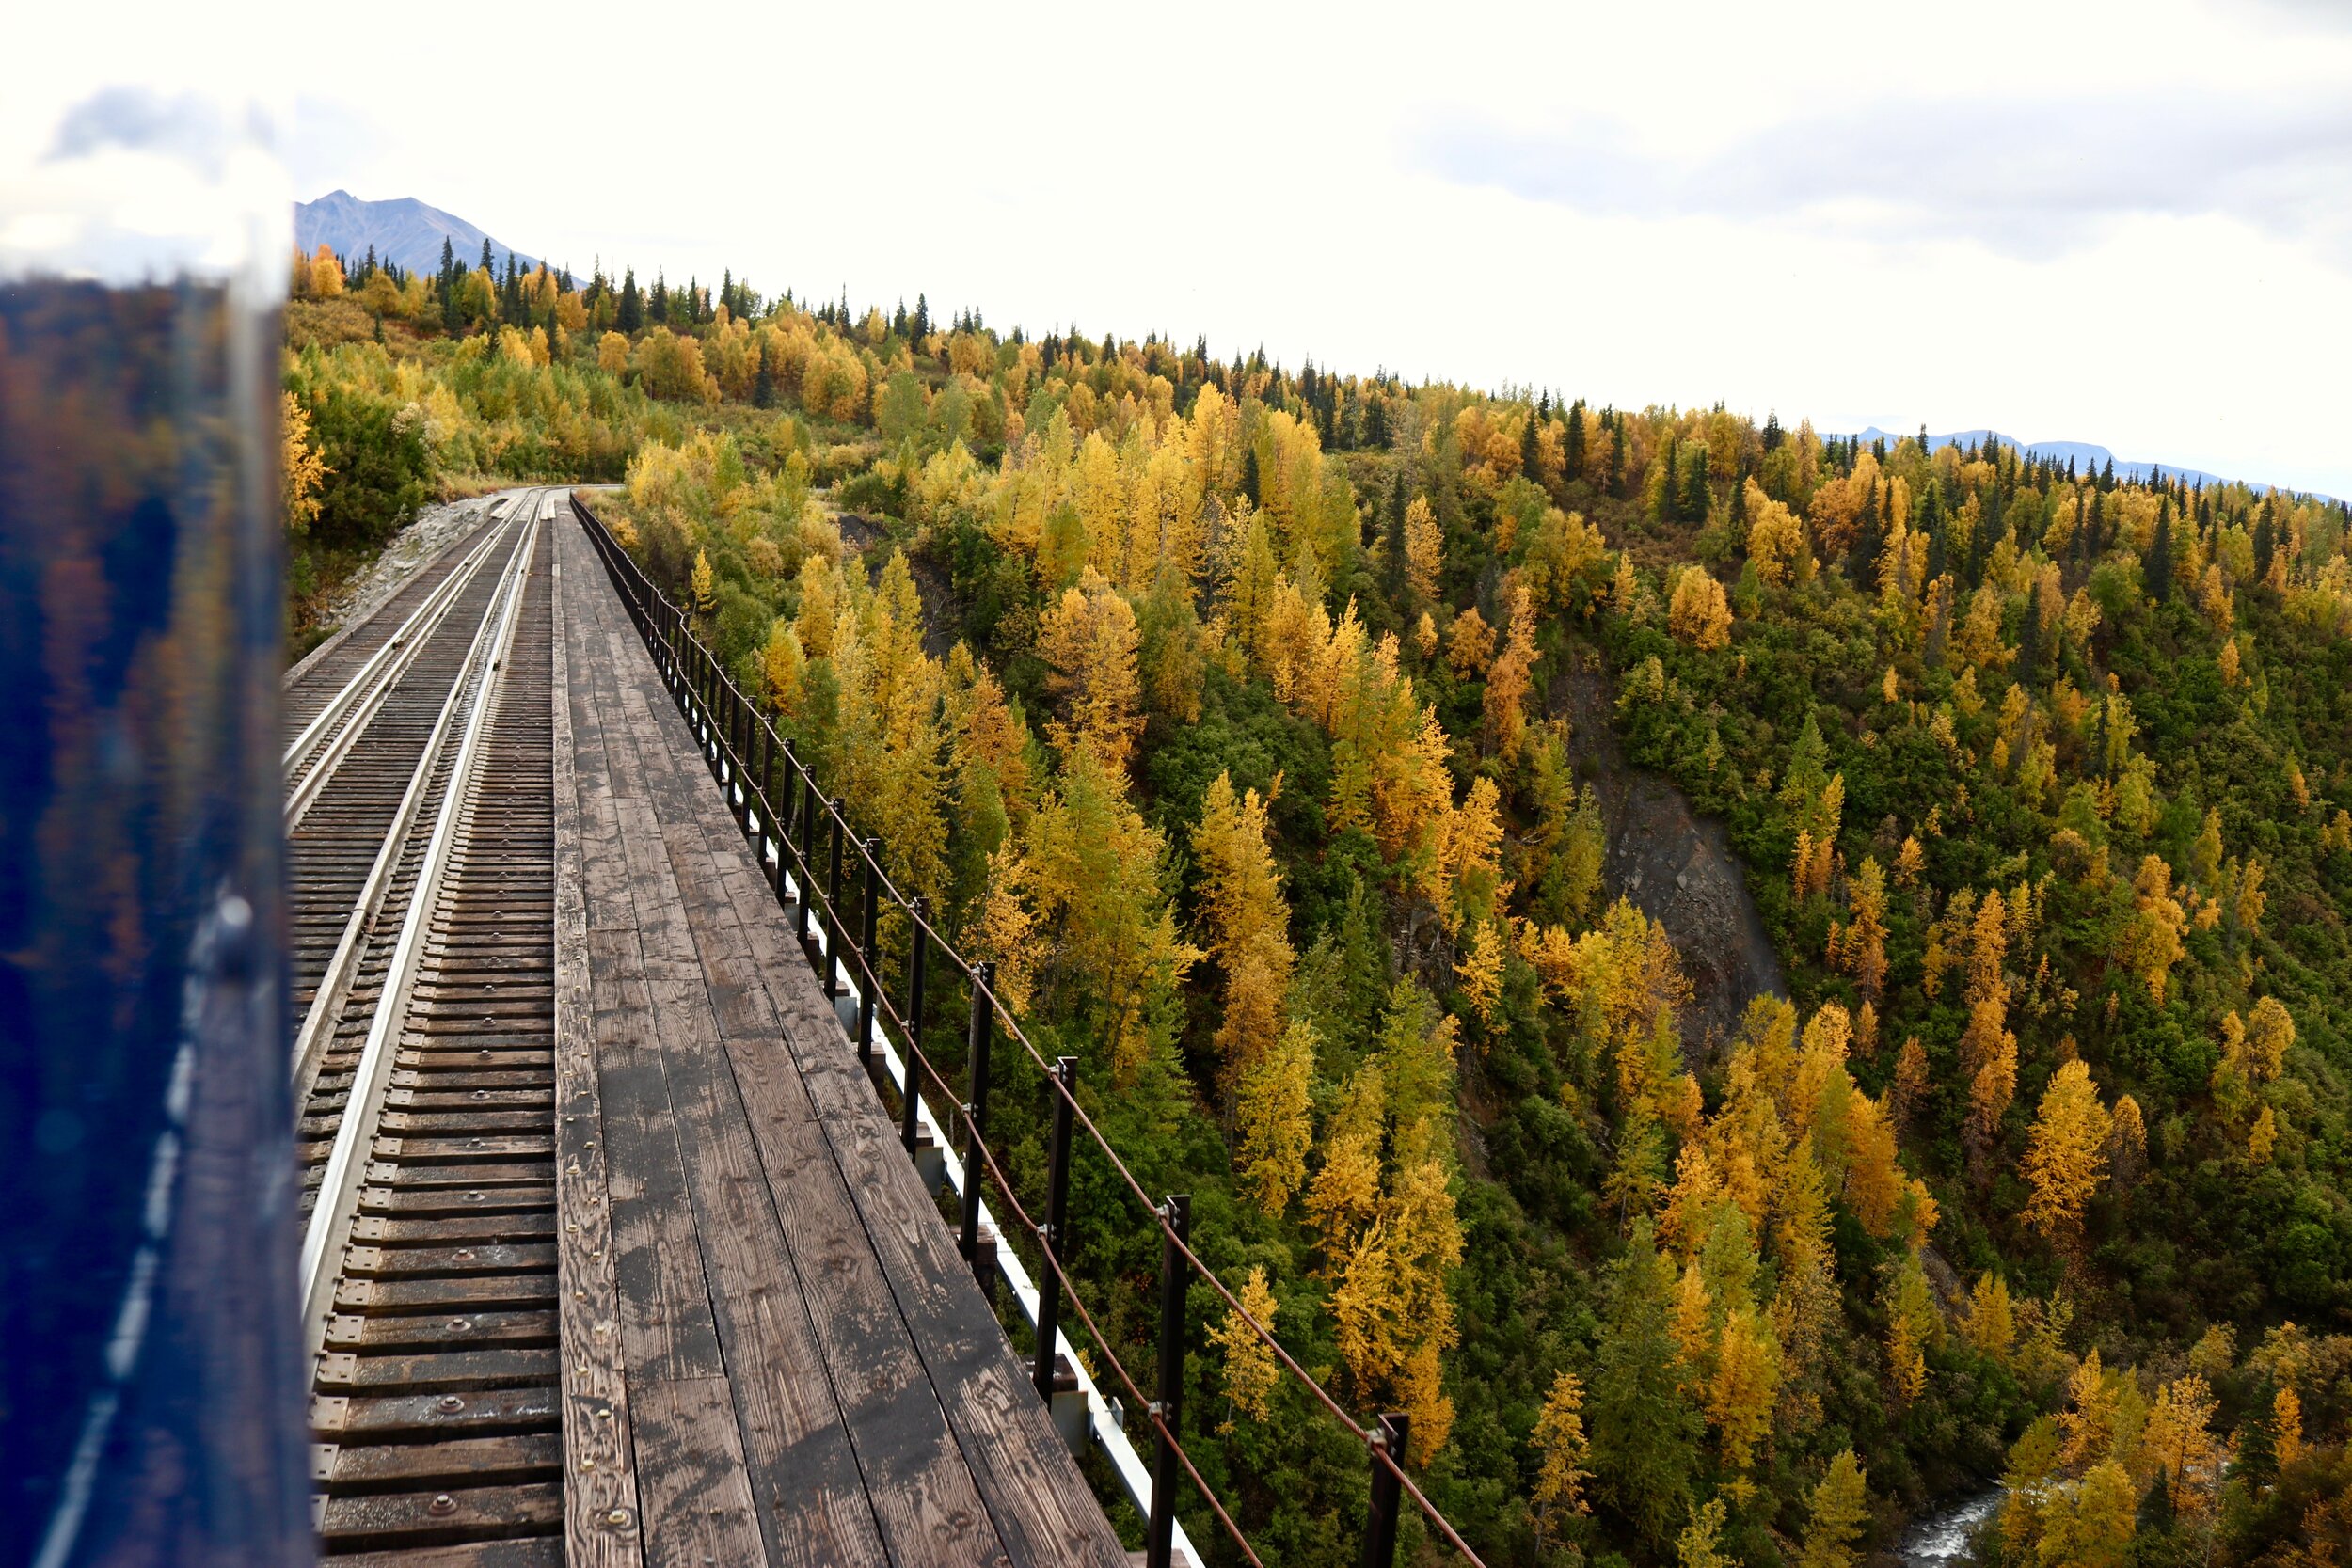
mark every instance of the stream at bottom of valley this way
{"type": "Point", "coordinates": [1943, 1538]}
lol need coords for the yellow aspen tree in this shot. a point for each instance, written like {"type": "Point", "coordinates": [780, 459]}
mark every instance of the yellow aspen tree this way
{"type": "Point", "coordinates": [1698, 614]}
{"type": "Point", "coordinates": [306, 471]}
{"type": "Point", "coordinates": [1480, 970]}
{"type": "Point", "coordinates": [1693, 1325]}
{"type": "Point", "coordinates": [781, 665]}
{"type": "Point", "coordinates": [1250, 1371]}
{"type": "Point", "coordinates": [2153, 939]}
{"type": "Point", "coordinates": [1509, 682]}
{"type": "Point", "coordinates": [2178, 1437]}
{"type": "Point", "coordinates": [1699, 1545]}
{"type": "Point", "coordinates": [1988, 948]}
{"type": "Point", "coordinates": [1470, 860]}
{"type": "Point", "coordinates": [1424, 547]}
{"type": "Point", "coordinates": [1776, 540]}
{"type": "Point", "coordinates": [1873, 1182]}
{"type": "Point", "coordinates": [1273, 1121]}
{"type": "Point", "coordinates": [1991, 1327]}
{"type": "Point", "coordinates": [1004, 933]}
{"type": "Point", "coordinates": [820, 606]}
{"type": "Point", "coordinates": [2092, 1524]}
{"type": "Point", "coordinates": [1840, 1509]}
{"type": "Point", "coordinates": [1246, 923]}
{"type": "Point", "coordinates": [2066, 1153]}
{"type": "Point", "coordinates": [1993, 1089]}
{"type": "Point", "coordinates": [2269, 1031]}
{"type": "Point", "coordinates": [2286, 1425]}
{"type": "Point", "coordinates": [1097, 865]}
{"type": "Point", "coordinates": [1559, 1438]}
{"type": "Point", "coordinates": [1419, 1386]}
{"type": "Point", "coordinates": [1745, 1388]}
{"type": "Point", "coordinates": [1864, 949]}
{"type": "Point", "coordinates": [1344, 1196]}
{"type": "Point", "coordinates": [1426, 636]}
{"type": "Point", "coordinates": [703, 584]}
{"type": "Point", "coordinates": [1087, 640]}
{"type": "Point", "coordinates": [1469, 646]}
{"type": "Point", "coordinates": [2088, 1419]}
{"type": "Point", "coordinates": [1682, 1224]}
{"type": "Point", "coordinates": [2247, 909]}
{"type": "Point", "coordinates": [1394, 1317]}
{"type": "Point", "coordinates": [1912, 1326]}
{"type": "Point", "coordinates": [2264, 1138]}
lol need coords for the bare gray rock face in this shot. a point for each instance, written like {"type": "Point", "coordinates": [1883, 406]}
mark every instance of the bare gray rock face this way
{"type": "Point", "coordinates": [1675, 866]}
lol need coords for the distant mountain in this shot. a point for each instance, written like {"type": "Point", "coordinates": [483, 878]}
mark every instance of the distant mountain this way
{"type": "Point", "coordinates": [2085, 455]}
{"type": "Point", "coordinates": [407, 231]}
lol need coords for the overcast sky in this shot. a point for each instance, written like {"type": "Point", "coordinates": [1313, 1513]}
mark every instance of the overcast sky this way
{"type": "Point", "coordinates": [2128, 224]}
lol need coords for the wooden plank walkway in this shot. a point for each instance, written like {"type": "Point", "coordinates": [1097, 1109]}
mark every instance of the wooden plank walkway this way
{"type": "Point", "coordinates": [772, 1352]}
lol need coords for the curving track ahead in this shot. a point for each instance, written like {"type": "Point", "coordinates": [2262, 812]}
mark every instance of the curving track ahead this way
{"type": "Point", "coordinates": [422, 845]}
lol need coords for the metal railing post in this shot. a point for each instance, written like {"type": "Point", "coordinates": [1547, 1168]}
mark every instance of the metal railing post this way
{"type": "Point", "coordinates": [869, 972]}
{"type": "Point", "coordinates": [975, 1110]}
{"type": "Point", "coordinates": [832, 901]}
{"type": "Point", "coordinates": [1380, 1513]}
{"type": "Point", "coordinates": [1057, 1223]}
{"type": "Point", "coordinates": [918, 945]}
{"type": "Point", "coordinates": [1159, 1535]}
{"type": "Point", "coordinates": [764, 734]}
{"type": "Point", "coordinates": [812, 800]}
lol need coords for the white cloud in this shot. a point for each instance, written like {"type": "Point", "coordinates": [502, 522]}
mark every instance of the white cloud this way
{"type": "Point", "coordinates": [2025, 176]}
{"type": "Point", "coordinates": [2117, 222]}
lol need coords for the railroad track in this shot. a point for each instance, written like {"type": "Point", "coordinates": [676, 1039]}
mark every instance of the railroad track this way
{"type": "Point", "coordinates": [421, 825]}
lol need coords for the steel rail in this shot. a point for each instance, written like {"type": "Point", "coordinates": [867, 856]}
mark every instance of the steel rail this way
{"type": "Point", "coordinates": [363, 696]}
{"type": "Point", "coordinates": [328, 1001]}
{"type": "Point", "coordinates": [340, 1183]}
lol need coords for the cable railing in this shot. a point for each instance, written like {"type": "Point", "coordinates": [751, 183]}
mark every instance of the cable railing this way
{"type": "Point", "coordinates": [805, 847]}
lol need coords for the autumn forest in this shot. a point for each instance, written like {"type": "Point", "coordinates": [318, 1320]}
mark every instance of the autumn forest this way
{"type": "Point", "coordinates": [1261, 725]}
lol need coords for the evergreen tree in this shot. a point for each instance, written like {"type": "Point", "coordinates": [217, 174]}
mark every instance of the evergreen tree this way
{"type": "Point", "coordinates": [1572, 446]}
{"type": "Point", "coordinates": [2157, 571]}
{"type": "Point", "coordinates": [1645, 1429]}
{"type": "Point", "coordinates": [1527, 444]}
{"type": "Point", "coordinates": [1696, 498]}
{"type": "Point", "coordinates": [630, 317]}
{"type": "Point", "coordinates": [1870, 533]}
{"type": "Point", "coordinates": [2265, 541]}
{"type": "Point", "coordinates": [657, 303]}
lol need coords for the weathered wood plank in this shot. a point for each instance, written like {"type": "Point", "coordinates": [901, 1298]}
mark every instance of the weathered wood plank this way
{"type": "Point", "coordinates": [813, 1503]}
{"type": "Point", "coordinates": [1040, 1504]}
{"type": "Point", "coordinates": [698, 1497]}
{"type": "Point", "coordinates": [602, 1516]}
{"type": "Point", "coordinates": [922, 1491]}
{"type": "Point", "coordinates": [826, 1267]}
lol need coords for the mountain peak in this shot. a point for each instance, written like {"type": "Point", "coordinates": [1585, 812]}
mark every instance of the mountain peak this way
{"type": "Point", "coordinates": [405, 230]}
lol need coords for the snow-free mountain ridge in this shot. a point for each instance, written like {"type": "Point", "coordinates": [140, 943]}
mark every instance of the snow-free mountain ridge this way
{"type": "Point", "coordinates": [407, 231]}
{"type": "Point", "coordinates": [2087, 457]}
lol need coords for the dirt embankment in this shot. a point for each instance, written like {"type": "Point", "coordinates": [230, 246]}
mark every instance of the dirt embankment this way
{"type": "Point", "coordinates": [1677, 866]}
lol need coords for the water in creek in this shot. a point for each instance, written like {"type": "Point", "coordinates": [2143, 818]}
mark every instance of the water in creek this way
{"type": "Point", "coordinates": [1943, 1538]}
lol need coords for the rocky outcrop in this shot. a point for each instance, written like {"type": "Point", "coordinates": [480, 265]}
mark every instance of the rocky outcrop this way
{"type": "Point", "coordinates": [1677, 866]}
